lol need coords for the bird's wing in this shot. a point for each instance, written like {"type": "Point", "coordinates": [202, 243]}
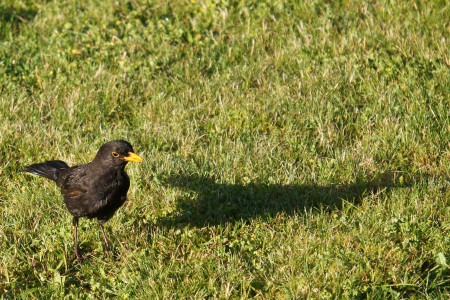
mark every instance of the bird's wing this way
{"type": "Point", "coordinates": [74, 192]}
{"type": "Point", "coordinates": [75, 185]}
{"type": "Point", "coordinates": [74, 182]}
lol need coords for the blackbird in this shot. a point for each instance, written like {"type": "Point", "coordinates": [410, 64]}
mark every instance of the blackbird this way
{"type": "Point", "coordinates": [93, 190]}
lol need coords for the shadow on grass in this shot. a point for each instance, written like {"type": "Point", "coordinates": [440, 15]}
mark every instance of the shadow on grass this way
{"type": "Point", "coordinates": [207, 202]}
{"type": "Point", "coordinates": [11, 18]}
{"type": "Point", "coordinates": [15, 15]}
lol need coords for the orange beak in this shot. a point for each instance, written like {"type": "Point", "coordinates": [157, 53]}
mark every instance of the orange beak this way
{"type": "Point", "coordinates": [132, 157]}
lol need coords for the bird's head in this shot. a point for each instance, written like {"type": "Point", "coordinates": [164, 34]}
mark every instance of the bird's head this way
{"type": "Point", "coordinates": [116, 153]}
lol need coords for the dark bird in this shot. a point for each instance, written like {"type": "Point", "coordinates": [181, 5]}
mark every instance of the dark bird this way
{"type": "Point", "coordinates": [93, 190]}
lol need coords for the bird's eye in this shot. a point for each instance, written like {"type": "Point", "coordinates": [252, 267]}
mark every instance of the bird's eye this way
{"type": "Point", "coordinates": [115, 154]}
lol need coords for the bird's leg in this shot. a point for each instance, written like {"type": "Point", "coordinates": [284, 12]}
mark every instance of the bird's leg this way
{"type": "Point", "coordinates": [108, 248]}
{"type": "Point", "coordinates": [77, 249]}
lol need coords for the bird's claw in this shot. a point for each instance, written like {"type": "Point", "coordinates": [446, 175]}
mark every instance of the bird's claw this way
{"type": "Point", "coordinates": [78, 255]}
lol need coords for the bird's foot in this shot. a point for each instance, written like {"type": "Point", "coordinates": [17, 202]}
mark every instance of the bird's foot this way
{"type": "Point", "coordinates": [78, 255]}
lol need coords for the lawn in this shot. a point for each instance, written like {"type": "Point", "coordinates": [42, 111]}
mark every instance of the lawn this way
{"type": "Point", "coordinates": [292, 149]}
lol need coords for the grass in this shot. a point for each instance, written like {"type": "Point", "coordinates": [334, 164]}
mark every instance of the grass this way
{"type": "Point", "coordinates": [292, 149]}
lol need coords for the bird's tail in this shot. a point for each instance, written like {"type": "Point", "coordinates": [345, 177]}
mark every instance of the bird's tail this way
{"type": "Point", "coordinates": [48, 169]}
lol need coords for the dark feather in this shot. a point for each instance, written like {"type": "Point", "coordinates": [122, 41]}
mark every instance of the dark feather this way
{"type": "Point", "coordinates": [49, 169]}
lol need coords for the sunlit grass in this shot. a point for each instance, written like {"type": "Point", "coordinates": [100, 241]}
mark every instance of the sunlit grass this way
{"type": "Point", "coordinates": [292, 150]}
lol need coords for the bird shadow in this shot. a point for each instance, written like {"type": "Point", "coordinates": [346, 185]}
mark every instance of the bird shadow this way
{"type": "Point", "coordinates": [207, 201]}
